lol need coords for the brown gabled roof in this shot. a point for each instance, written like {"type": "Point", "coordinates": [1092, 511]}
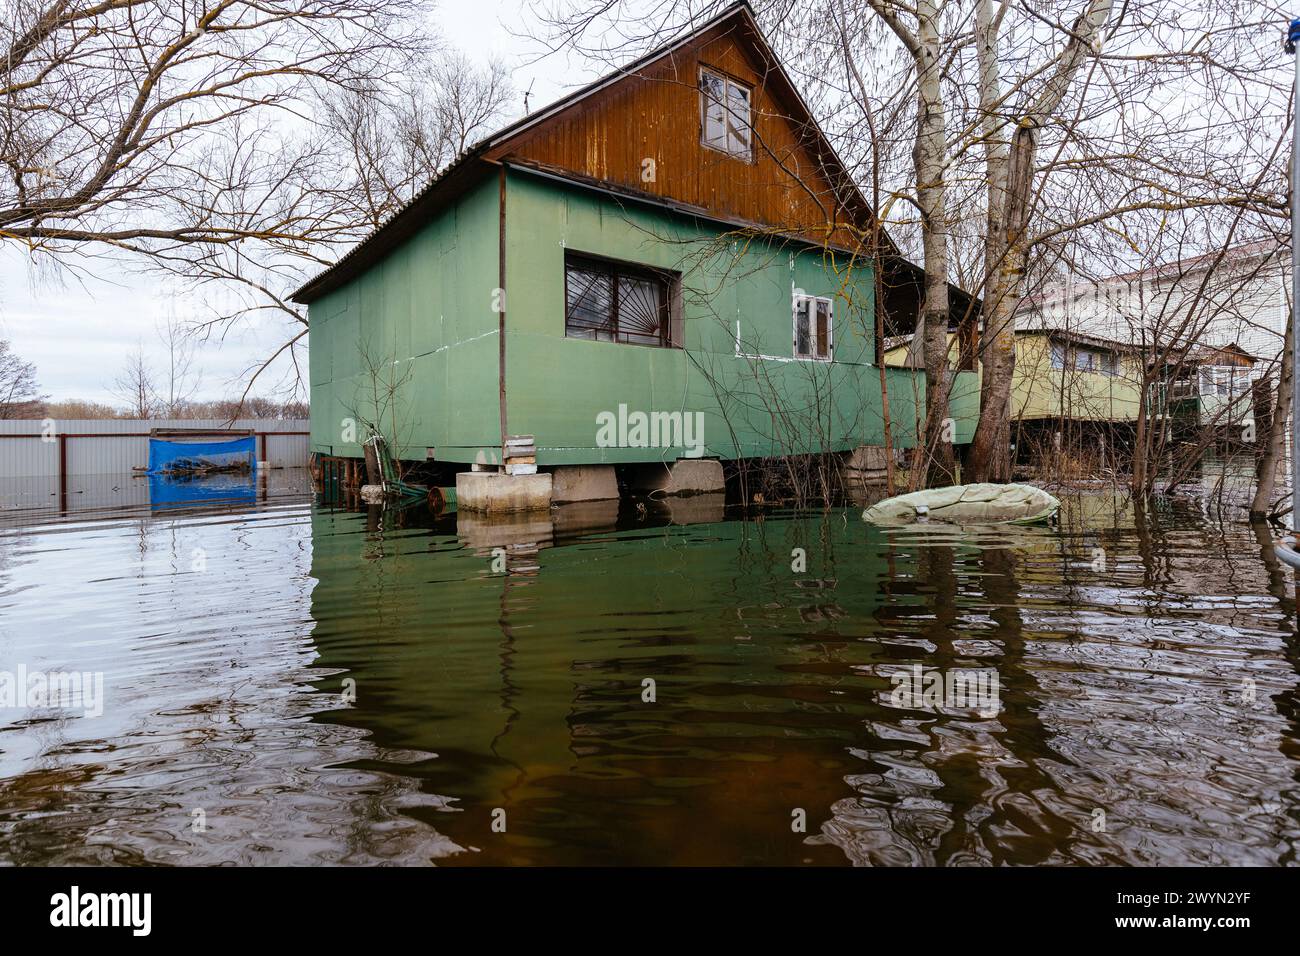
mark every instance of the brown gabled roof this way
{"type": "Point", "coordinates": [486, 156]}
{"type": "Point", "coordinates": [1209, 354]}
{"type": "Point", "coordinates": [1078, 338]}
{"type": "Point", "coordinates": [1082, 338]}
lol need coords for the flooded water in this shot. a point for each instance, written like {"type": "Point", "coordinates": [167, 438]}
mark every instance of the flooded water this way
{"type": "Point", "coordinates": [286, 683]}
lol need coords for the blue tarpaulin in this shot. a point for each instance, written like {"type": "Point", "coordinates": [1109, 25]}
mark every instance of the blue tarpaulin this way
{"type": "Point", "coordinates": [166, 456]}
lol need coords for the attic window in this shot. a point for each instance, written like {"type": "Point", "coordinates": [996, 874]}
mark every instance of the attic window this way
{"type": "Point", "coordinates": [727, 118]}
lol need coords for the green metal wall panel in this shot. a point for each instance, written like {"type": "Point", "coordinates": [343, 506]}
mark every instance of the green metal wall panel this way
{"type": "Point", "coordinates": [756, 399]}
{"type": "Point", "coordinates": [421, 322]}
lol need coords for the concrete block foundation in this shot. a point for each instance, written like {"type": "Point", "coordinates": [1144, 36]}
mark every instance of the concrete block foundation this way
{"type": "Point", "coordinates": [685, 476]}
{"type": "Point", "coordinates": [491, 493]}
{"type": "Point", "coordinates": [866, 464]}
{"type": "Point", "coordinates": [570, 483]}
{"type": "Point", "coordinates": [867, 458]}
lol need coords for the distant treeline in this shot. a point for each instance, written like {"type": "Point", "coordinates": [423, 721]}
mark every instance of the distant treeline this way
{"type": "Point", "coordinates": [221, 409]}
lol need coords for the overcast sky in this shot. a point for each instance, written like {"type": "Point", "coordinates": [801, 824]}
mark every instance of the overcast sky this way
{"type": "Point", "coordinates": [79, 332]}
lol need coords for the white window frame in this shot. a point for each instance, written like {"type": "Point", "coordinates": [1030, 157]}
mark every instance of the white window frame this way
{"type": "Point", "coordinates": [746, 152]}
{"type": "Point", "coordinates": [812, 301]}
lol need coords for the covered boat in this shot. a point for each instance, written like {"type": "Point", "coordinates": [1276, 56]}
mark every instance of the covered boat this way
{"type": "Point", "coordinates": [967, 504]}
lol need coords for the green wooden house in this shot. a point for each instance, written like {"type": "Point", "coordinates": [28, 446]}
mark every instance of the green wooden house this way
{"type": "Point", "coordinates": [669, 263]}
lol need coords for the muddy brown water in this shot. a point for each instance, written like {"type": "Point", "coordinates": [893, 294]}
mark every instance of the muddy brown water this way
{"type": "Point", "coordinates": [286, 683]}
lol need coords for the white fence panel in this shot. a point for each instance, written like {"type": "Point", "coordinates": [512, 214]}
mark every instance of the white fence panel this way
{"type": "Point", "coordinates": [32, 448]}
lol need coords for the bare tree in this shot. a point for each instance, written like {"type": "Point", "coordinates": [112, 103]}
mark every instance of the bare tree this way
{"type": "Point", "coordinates": [1110, 155]}
{"type": "Point", "coordinates": [371, 151]}
{"type": "Point", "coordinates": [115, 109]}
{"type": "Point", "coordinates": [189, 136]}
{"type": "Point", "coordinates": [180, 379]}
{"type": "Point", "coordinates": [79, 408]}
{"type": "Point", "coordinates": [924, 41]}
{"type": "Point", "coordinates": [466, 100]}
{"type": "Point", "coordinates": [1012, 174]}
{"type": "Point", "coordinates": [18, 391]}
{"type": "Point", "coordinates": [391, 142]}
{"type": "Point", "coordinates": [136, 385]}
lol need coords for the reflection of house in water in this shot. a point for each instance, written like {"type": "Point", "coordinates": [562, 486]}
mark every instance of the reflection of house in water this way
{"type": "Point", "coordinates": [526, 689]}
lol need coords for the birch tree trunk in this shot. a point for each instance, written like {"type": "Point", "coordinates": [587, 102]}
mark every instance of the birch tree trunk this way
{"type": "Point", "coordinates": [1275, 442]}
{"type": "Point", "coordinates": [933, 460]}
{"type": "Point", "coordinates": [930, 156]}
{"type": "Point", "coordinates": [996, 153]}
{"type": "Point", "coordinates": [1011, 180]}
{"type": "Point", "coordinates": [995, 349]}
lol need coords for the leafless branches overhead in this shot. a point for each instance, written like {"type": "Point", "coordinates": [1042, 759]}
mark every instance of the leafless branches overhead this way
{"type": "Point", "coordinates": [236, 145]}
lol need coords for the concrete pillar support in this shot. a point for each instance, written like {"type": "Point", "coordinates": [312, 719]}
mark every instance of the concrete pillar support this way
{"type": "Point", "coordinates": [572, 483]}
{"type": "Point", "coordinates": [685, 476]}
{"type": "Point", "coordinates": [491, 493]}
{"type": "Point", "coordinates": [865, 464]}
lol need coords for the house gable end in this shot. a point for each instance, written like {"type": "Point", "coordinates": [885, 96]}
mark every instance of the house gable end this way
{"type": "Point", "coordinates": [643, 131]}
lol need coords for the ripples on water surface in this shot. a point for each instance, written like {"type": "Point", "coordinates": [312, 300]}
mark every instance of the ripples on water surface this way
{"type": "Point", "coordinates": [228, 639]}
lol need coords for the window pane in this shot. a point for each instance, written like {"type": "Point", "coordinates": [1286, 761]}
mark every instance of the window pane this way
{"type": "Point", "coordinates": [713, 90]}
{"type": "Point", "coordinates": [1058, 356]}
{"type": "Point", "coordinates": [640, 311]}
{"type": "Point", "coordinates": [802, 336]}
{"type": "Point", "coordinates": [713, 86]}
{"type": "Point", "coordinates": [590, 307]}
{"type": "Point", "coordinates": [610, 302]}
{"type": "Point", "coordinates": [738, 119]}
{"type": "Point", "coordinates": [823, 330]}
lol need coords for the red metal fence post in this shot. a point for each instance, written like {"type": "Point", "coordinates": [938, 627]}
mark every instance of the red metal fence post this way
{"type": "Point", "coordinates": [63, 472]}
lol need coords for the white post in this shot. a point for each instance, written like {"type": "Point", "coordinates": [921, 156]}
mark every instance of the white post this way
{"type": "Point", "coordinates": [1292, 36]}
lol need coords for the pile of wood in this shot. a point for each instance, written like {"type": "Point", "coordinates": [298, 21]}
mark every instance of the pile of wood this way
{"type": "Point", "coordinates": [204, 468]}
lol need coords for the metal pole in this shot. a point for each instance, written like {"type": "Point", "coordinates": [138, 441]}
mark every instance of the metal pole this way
{"type": "Point", "coordinates": [1293, 36]}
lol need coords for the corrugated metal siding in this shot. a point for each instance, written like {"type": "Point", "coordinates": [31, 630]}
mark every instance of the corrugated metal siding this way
{"type": "Point", "coordinates": [35, 458]}
{"type": "Point", "coordinates": [20, 497]}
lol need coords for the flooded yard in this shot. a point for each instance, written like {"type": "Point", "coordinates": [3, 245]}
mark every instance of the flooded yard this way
{"type": "Point", "coordinates": [287, 683]}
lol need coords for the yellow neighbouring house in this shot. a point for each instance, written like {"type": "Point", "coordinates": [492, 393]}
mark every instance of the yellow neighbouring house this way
{"type": "Point", "coordinates": [1065, 375]}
